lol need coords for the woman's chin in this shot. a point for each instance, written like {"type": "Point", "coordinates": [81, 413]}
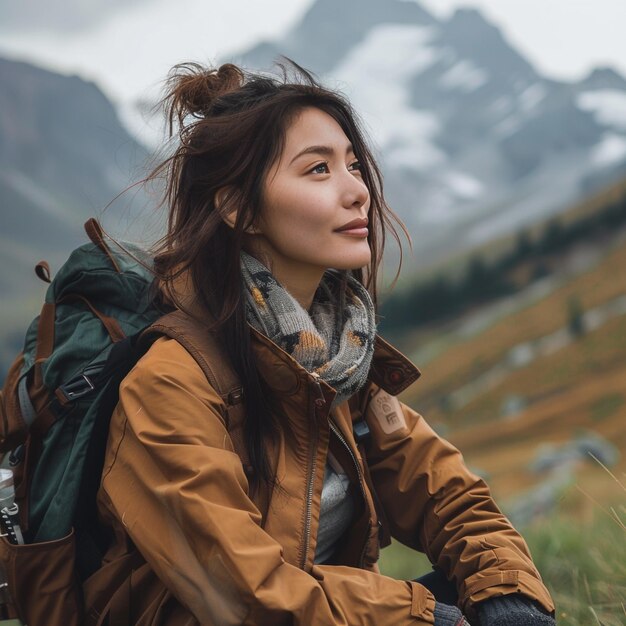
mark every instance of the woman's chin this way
{"type": "Point", "coordinates": [355, 262]}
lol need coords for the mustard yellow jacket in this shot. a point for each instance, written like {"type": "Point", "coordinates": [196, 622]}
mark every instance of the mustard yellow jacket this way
{"type": "Point", "coordinates": [193, 545]}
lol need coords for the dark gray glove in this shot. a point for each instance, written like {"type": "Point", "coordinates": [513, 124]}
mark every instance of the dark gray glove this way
{"type": "Point", "coordinates": [512, 610]}
{"type": "Point", "coordinates": [446, 615]}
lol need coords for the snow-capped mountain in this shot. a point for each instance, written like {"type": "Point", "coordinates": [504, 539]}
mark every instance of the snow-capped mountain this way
{"type": "Point", "coordinates": [474, 142]}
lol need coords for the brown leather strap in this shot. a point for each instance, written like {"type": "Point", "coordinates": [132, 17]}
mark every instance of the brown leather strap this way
{"type": "Point", "coordinates": [45, 419]}
{"type": "Point", "coordinates": [42, 269]}
{"type": "Point", "coordinates": [204, 348]}
{"type": "Point", "coordinates": [96, 234]}
{"type": "Point", "coordinates": [13, 428]}
{"type": "Point", "coordinates": [37, 391]}
{"type": "Point", "coordinates": [110, 323]}
{"type": "Point", "coordinates": [45, 332]}
{"type": "Point", "coordinates": [195, 338]}
{"type": "Point", "coordinates": [45, 340]}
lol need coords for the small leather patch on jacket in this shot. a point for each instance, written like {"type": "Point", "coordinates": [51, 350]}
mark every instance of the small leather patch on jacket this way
{"type": "Point", "coordinates": [387, 411]}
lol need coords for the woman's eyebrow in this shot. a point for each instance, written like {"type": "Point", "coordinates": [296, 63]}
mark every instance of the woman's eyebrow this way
{"type": "Point", "coordinates": [323, 150]}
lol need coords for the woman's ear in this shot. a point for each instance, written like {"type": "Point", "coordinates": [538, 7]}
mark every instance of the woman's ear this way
{"type": "Point", "coordinates": [227, 204]}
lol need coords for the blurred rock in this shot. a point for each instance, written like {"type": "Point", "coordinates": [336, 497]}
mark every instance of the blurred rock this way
{"type": "Point", "coordinates": [541, 500]}
{"type": "Point", "coordinates": [512, 406]}
{"type": "Point", "coordinates": [584, 448]}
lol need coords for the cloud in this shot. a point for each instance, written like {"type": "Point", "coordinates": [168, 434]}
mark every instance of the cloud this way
{"type": "Point", "coordinates": [31, 16]}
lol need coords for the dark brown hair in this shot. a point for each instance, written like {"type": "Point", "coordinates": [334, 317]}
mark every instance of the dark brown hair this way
{"type": "Point", "coordinates": [231, 128]}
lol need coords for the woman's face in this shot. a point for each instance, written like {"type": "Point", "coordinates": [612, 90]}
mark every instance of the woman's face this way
{"type": "Point", "coordinates": [311, 194]}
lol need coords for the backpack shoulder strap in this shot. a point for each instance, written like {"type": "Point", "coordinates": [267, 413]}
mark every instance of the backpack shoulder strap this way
{"type": "Point", "coordinates": [205, 349]}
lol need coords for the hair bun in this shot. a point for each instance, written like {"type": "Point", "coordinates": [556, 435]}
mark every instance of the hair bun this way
{"type": "Point", "coordinates": [193, 88]}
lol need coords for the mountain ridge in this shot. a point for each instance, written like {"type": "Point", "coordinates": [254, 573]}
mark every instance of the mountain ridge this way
{"type": "Point", "coordinates": [64, 156]}
{"type": "Point", "coordinates": [474, 141]}
{"type": "Point", "coordinates": [470, 135]}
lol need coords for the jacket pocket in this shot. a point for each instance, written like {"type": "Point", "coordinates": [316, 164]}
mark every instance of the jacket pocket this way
{"type": "Point", "coordinates": [41, 581]}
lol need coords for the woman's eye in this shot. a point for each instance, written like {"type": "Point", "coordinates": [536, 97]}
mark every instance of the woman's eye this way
{"type": "Point", "coordinates": [356, 166]}
{"type": "Point", "coordinates": [321, 168]}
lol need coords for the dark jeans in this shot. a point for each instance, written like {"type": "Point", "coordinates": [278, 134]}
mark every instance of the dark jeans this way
{"type": "Point", "coordinates": [443, 590]}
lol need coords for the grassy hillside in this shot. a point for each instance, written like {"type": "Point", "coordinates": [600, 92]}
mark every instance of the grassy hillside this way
{"type": "Point", "coordinates": [577, 387]}
{"type": "Point", "coordinates": [503, 267]}
{"type": "Point", "coordinates": [522, 381]}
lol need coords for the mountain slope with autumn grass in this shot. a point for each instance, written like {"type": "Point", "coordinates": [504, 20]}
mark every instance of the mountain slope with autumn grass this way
{"type": "Point", "coordinates": [531, 387]}
{"type": "Point", "coordinates": [499, 396]}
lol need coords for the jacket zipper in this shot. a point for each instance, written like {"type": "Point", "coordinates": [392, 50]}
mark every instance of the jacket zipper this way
{"type": "Point", "coordinates": [319, 402]}
{"type": "Point", "coordinates": [341, 438]}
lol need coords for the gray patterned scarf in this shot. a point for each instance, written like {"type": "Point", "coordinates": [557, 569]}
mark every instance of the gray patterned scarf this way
{"type": "Point", "coordinates": [334, 339]}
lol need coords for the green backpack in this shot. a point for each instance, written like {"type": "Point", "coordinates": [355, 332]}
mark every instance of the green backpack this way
{"type": "Point", "coordinates": [98, 319]}
{"type": "Point", "coordinates": [60, 391]}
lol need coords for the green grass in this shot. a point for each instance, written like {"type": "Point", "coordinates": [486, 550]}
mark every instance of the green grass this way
{"type": "Point", "coordinates": [582, 559]}
{"type": "Point", "coordinates": [584, 567]}
{"type": "Point", "coordinates": [403, 563]}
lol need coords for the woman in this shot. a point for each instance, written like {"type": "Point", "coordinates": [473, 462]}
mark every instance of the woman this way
{"type": "Point", "coordinates": [274, 513]}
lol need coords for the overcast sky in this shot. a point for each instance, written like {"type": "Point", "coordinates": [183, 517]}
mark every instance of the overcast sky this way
{"type": "Point", "coordinates": [127, 46]}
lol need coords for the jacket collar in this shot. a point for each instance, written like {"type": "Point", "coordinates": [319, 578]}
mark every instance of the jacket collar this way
{"type": "Point", "coordinates": [390, 369]}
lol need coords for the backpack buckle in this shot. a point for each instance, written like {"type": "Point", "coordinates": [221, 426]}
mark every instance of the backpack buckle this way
{"type": "Point", "coordinates": [361, 431]}
{"type": "Point", "coordinates": [79, 386]}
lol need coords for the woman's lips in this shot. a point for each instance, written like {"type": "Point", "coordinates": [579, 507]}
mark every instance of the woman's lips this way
{"type": "Point", "coordinates": [354, 232]}
{"type": "Point", "coordinates": [355, 228]}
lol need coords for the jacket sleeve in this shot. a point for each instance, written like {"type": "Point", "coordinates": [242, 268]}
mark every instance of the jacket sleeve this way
{"type": "Point", "coordinates": [173, 480]}
{"type": "Point", "coordinates": [434, 504]}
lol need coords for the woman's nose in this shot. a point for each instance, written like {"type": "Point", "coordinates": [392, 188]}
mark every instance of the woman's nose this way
{"type": "Point", "coordinates": [356, 192]}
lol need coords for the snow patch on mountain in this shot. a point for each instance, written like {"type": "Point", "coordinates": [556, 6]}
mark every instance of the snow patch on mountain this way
{"type": "Point", "coordinates": [532, 96]}
{"type": "Point", "coordinates": [463, 185]}
{"type": "Point", "coordinates": [437, 206]}
{"type": "Point", "coordinates": [607, 105]}
{"type": "Point", "coordinates": [448, 190]}
{"type": "Point", "coordinates": [508, 125]}
{"type": "Point", "coordinates": [379, 70]}
{"type": "Point", "coordinates": [519, 109]}
{"type": "Point", "coordinates": [464, 76]}
{"type": "Point", "coordinates": [501, 106]}
{"type": "Point", "coordinates": [611, 149]}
